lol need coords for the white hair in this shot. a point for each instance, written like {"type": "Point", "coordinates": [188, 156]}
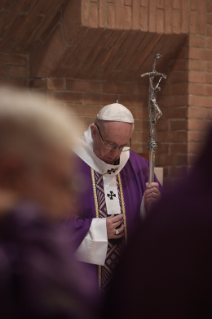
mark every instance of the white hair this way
{"type": "Point", "coordinates": [28, 120]}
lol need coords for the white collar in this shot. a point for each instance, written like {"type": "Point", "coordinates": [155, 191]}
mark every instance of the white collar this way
{"type": "Point", "coordinates": [85, 151]}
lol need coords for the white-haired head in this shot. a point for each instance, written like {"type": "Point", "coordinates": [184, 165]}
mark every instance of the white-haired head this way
{"type": "Point", "coordinates": [28, 120]}
{"type": "Point", "coordinates": [36, 165]}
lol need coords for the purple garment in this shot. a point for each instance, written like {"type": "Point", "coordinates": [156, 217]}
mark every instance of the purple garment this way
{"type": "Point", "coordinates": [134, 175]}
{"type": "Point", "coordinates": [38, 278]}
{"type": "Point", "coordinates": [166, 271]}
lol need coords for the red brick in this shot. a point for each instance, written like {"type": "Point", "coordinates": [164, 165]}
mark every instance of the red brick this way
{"type": "Point", "coordinates": [162, 125]}
{"type": "Point", "coordinates": [178, 77]}
{"type": "Point", "coordinates": [102, 13]}
{"type": "Point", "coordinates": [176, 160]}
{"type": "Point", "coordinates": [209, 6]}
{"type": "Point", "coordinates": [152, 15]}
{"type": "Point", "coordinates": [185, 17]}
{"type": "Point", "coordinates": [85, 10]}
{"type": "Point", "coordinates": [134, 111]}
{"type": "Point", "coordinates": [209, 66]}
{"type": "Point", "coordinates": [209, 18]}
{"type": "Point", "coordinates": [18, 71]}
{"type": "Point", "coordinates": [209, 43]}
{"type": "Point", "coordinates": [178, 89]}
{"type": "Point", "coordinates": [144, 18]}
{"type": "Point", "coordinates": [196, 77]}
{"type": "Point", "coordinates": [3, 70]}
{"type": "Point", "coordinates": [201, 17]}
{"type": "Point", "coordinates": [23, 83]}
{"type": "Point", "coordinates": [196, 125]}
{"type": "Point", "coordinates": [93, 15]}
{"type": "Point", "coordinates": [130, 100]}
{"type": "Point", "coordinates": [208, 55]}
{"type": "Point", "coordinates": [166, 101]}
{"type": "Point", "coordinates": [178, 149]}
{"type": "Point", "coordinates": [193, 22]}
{"type": "Point", "coordinates": [201, 101]}
{"type": "Point", "coordinates": [135, 15]}
{"type": "Point", "coordinates": [197, 112]}
{"type": "Point", "coordinates": [176, 4]}
{"type": "Point", "coordinates": [160, 4]}
{"type": "Point", "coordinates": [111, 18]}
{"type": "Point", "coordinates": [84, 110]}
{"type": "Point", "coordinates": [127, 2]}
{"type": "Point", "coordinates": [83, 86]}
{"type": "Point", "coordinates": [176, 25]}
{"type": "Point", "coordinates": [144, 3]}
{"type": "Point", "coordinates": [196, 89]}
{"type": "Point", "coordinates": [141, 125]}
{"type": "Point", "coordinates": [38, 83]}
{"type": "Point", "coordinates": [120, 88]}
{"type": "Point", "coordinates": [196, 65]}
{"type": "Point", "coordinates": [179, 65]}
{"type": "Point", "coordinates": [68, 97]}
{"type": "Point", "coordinates": [197, 41]}
{"type": "Point", "coordinates": [100, 99]}
{"type": "Point", "coordinates": [194, 5]}
{"type": "Point", "coordinates": [127, 18]}
{"type": "Point", "coordinates": [184, 53]}
{"type": "Point", "coordinates": [143, 112]}
{"type": "Point", "coordinates": [88, 121]}
{"type": "Point", "coordinates": [168, 16]}
{"type": "Point", "coordinates": [208, 113]}
{"type": "Point", "coordinates": [163, 148]}
{"type": "Point", "coordinates": [208, 90]}
{"type": "Point", "coordinates": [177, 136]}
{"type": "Point", "coordinates": [56, 84]}
{"type": "Point", "coordinates": [119, 6]}
{"type": "Point", "coordinates": [178, 125]}
{"type": "Point", "coordinates": [160, 21]}
{"type": "Point", "coordinates": [209, 30]}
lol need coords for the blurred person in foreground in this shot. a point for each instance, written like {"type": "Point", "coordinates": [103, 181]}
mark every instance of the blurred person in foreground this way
{"type": "Point", "coordinates": [38, 276]}
{"type": "Point", "coordinates": [166, 271]}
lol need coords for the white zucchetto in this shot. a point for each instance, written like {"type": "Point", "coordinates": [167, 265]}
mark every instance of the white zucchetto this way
{"type": "Point", "coordinates": [115, 112]}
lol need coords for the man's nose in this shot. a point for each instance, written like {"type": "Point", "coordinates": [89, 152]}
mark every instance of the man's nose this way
{"type": "Point", "coordinates": [115, 151]}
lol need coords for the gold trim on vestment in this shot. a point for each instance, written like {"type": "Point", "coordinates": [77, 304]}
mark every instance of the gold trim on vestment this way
{"type": "Point", "coordinates": [94, 193]}
{"type": "Point", "coordinates": [123, 206]}
{"type": "Point", "coordinates": [97, 216]}
{"type": "Point", "coordinates": [97, 211]}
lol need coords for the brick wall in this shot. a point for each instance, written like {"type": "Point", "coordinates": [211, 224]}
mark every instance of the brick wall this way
{"type": "Point", "coordinates": [91, 53]}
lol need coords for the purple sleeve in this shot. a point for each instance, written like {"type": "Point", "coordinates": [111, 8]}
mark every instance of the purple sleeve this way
{"type": "Point", "coordinates": [78, 228]}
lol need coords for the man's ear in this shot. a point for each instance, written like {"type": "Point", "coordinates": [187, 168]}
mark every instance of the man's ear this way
{"type": "Point", "coordinates": [93, 131]}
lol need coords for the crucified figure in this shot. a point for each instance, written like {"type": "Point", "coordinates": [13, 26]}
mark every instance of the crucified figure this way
{"type": "Point", "coordinates": [154, 113]}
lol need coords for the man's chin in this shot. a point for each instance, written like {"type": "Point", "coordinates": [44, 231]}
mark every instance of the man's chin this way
{"type": "Point", "coordinates": [108, 160]}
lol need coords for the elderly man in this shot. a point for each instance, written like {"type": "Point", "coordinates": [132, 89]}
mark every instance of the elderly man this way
{"type": "Point", "coordinates": [38, 279]}
{"type": "Point", "coordinates": [114, 186]}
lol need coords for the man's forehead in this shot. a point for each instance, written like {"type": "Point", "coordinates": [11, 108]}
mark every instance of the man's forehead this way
{"type": "Point", "coordinates": [117, 130]}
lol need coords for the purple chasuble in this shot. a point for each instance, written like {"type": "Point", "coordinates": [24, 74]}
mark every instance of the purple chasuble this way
{"type": "Point", "coordinates": [131, 187]}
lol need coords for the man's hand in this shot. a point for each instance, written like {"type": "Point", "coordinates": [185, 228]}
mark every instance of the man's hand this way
{"type": "Point", "coordinates": [111, 223]}
{"type": "Point", "coordinates": [151, 195]}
